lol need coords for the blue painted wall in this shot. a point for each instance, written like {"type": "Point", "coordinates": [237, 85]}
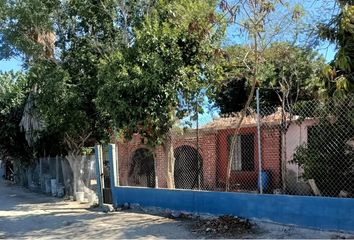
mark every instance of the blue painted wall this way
{"type": "Point", "coordinates": [314, 212]}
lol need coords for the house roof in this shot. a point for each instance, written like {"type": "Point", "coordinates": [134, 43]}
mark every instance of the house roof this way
{"type": "Point", "coordinates": [249, 120]}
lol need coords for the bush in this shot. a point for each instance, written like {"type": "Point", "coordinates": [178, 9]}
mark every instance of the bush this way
{"type": "Point", "coordinates": [327, 158]}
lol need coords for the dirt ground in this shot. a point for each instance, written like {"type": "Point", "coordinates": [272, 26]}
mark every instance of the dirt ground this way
{"type": "Point", "coordinates": [28, 215]}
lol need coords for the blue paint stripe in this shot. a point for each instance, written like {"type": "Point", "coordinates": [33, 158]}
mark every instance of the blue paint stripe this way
{"type": "Point", "coordinates": [305, 211]}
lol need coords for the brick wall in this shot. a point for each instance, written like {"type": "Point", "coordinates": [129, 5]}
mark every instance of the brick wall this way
{"type": "Point", "coordinates": [125, 151]}
{"type": "Point", "coordinates": [271, 154]}
{"type": "Point", "coordinates": [207, 151]}
{"type": "Point", "coordinates": [247, 180]}
{"type": "Point", "coordinates": [214, 150]}
{"type": "Point", "coordinates": [242, 180]}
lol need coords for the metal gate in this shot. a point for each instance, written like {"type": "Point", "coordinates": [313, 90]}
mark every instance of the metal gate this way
{"type": "Point", "coordinates": [103, 175]}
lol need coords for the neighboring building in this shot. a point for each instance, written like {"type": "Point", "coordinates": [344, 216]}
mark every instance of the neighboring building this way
{"type": "Point", "coordinates": [296, 135]}
{"type": "Point", "coordinates": [201, 156]}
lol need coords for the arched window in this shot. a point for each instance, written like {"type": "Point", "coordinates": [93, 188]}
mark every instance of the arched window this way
{"type": "Point", "coordinates": [141, 172]}
{"type": "Point", "coordinates": [188, 168]}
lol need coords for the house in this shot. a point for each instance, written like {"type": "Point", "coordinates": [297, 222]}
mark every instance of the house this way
{"type": "Point", "coordinates": [201, 156]}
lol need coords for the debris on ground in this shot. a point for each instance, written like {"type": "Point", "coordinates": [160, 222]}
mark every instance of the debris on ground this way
{"type": "Point", "coordinates": [125, 206]}
{"type": "Point", "coordinates": [345, 194]}
{"type": "Point", "coordinates": [226, 224]}
{"type": "Point", "coordinates": [94, 205]}
{"type": "Point", "coordinates": [339, 236]}
{"type": "Point", "coordinates": [180, 215]}
{"type": "Point", "coordinates": [107, 208]}
{"type": "Point", "coordinates": [135, 206]}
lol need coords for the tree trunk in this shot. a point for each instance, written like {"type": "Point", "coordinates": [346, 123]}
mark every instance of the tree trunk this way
{"type": "Point", "coordinates": [73, 158]}
{"type": "Point", "coordinates": [168, 149]}
{"type": "Point", "coordinates": [234, 138]}
{"type": "Point", "coordinates": [243, 114]}
{"type": "Point", "coordinates": [155, 169]}
{"type": "Point", "coordinates": [283, 146]}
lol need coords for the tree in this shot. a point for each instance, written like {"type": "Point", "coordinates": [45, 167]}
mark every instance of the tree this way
{"type": "Point", "coordinates": [13, 92]}
{"type": "Point", "coordinates": [295, 71]}
{"type": "Point", "coordinates": [68, 84]}
{"type": "Point", "coordinates": [261, 22]}
{"type": "Point", "coordinates": [232, 95]}
{"type": "Point", "coordinates": [284, 68]}
{"type": "Point", "coordinates": [64, 76]}
{"type": "Point", "coordinates": [339, 80]}
{"type": "Point", "coordinates": [160, 76]}
{"type": "Point", "coordinates": [25, 29]}
{"type": "Point", "coordinates": [66, 81]}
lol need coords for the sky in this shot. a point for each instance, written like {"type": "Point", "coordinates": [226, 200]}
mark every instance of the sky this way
{"type": "Point", "coordinates": [13, 64]}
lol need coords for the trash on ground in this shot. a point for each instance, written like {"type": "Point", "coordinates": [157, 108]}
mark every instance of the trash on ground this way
{"type": "Point", "coordinates": [223, 224]}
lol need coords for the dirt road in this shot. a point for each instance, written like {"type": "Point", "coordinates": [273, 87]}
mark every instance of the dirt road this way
{"type": "Point", "coordinates": [29, 215]}
{"type": "Point", "coordinates": [24, 214]}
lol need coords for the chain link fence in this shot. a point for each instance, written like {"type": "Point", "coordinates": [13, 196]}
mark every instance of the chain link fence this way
{"type": "Point", "coordinates": [55, 176]}
{"type": "Point", "coordinates": [45, 174]}
{"type": "Point", "coordinates": [305, 148]}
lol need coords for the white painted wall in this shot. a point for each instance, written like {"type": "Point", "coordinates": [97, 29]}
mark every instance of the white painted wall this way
{"type": "Point", "coordinates": [295, 136]}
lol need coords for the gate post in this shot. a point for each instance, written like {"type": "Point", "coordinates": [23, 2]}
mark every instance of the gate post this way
{"type": "Point", "coordinates": [99, 173]}
{"type": "Point", "coordinates": [113, 168]}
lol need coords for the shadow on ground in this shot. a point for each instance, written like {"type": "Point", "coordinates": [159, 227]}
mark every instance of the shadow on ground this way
{"type": "Point", "coordinates": [24, 214]}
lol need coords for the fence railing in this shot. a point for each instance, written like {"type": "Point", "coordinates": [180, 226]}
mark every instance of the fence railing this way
{"type": "Point", "coordinates": [306, 148]}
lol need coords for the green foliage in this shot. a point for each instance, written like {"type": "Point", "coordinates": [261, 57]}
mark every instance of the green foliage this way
{"type": "Point", "coordinates": [295, 72]}
{"type": "Point", "coordinates": [164, 72]}
{"type": "Point", "coordinates": [340, 30]}
{"type": "Point", "coordinates": [67, 85]}
{"type": "Point", "coordinates": [57, 101]}
{"type": "Point", "coordinates": [21, 23]}
{"type": "Point", "coordinates": [149, 59]}
{"type": "Point", "coordinates": [326, 157]}
{"type": "Point", "coordinates": [284, 68]}
{"type": "Point", "coordinates": [232, 95]}
{"type": "Point", "coordinates": [13, 92]}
